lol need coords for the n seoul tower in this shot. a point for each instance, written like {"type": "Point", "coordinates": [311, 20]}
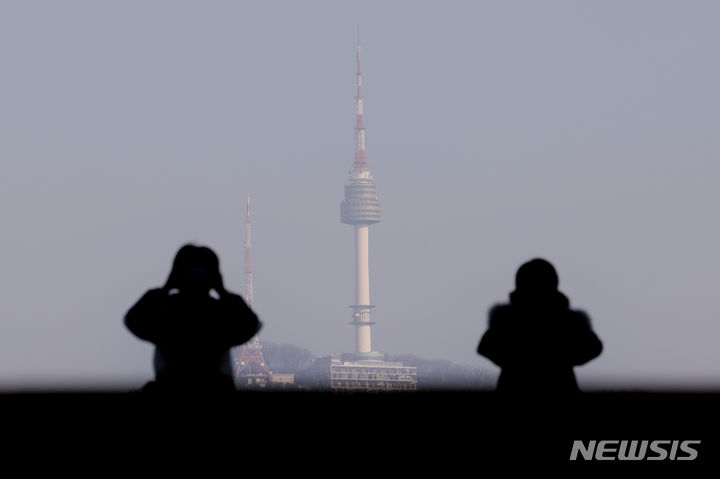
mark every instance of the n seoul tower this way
{"type": "Point", "coordinates": [361, 208]}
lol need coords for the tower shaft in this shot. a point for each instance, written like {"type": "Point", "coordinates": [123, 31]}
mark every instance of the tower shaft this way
{"type": "Point", "coordinates": [363, 342]}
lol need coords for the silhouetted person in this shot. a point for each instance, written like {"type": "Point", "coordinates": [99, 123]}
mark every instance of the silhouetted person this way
{"type": "Point", "coordinates": [537, 339]}
{"type": "Point", "coordinates": [192, 331]}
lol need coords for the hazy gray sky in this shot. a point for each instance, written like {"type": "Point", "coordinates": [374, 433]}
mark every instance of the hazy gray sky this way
{"type": "Point", "coordinates": [582, 132]}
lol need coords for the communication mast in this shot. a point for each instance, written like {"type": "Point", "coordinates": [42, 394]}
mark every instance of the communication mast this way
{"type": "Point", "coordinates": [365, 369]}
{"type": "Point", "coordinates": [361, 208]}
{"type": "Point", "coordinates": [251, 369]}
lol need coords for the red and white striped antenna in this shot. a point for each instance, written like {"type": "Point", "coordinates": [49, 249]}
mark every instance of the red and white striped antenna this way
{"type": "Point", "coordinates": [360, 155]}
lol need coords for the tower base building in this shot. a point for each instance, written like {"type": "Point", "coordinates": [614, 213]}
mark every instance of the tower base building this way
{"type": "Point", "coordinates": [347, 373]}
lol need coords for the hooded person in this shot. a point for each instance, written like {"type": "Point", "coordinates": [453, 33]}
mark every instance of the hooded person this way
{"type": "Point", "coordinates": [192, 330]}
{"type": "Point", "coordinates": [537, 339]}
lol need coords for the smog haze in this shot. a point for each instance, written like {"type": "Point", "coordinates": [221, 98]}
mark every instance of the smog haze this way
{"type": "Point", "coordinates": [585, 133]}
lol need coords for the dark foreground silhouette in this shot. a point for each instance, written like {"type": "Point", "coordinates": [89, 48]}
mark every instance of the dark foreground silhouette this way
{"type": "Point", "coordinates": [192, 330]}
{"type": "Point", "coordinates": [450, 432]}
{"type": "Point", "coordinates": [537, 339]}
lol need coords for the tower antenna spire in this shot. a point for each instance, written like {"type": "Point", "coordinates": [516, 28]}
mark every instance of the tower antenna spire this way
{"type": "Point", "coordinates": [360, 155]}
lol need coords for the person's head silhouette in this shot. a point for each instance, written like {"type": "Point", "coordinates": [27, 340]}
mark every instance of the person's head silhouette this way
{"type": "Point", "coordinates": [195, 271]}
{"type": "Point", "coordinates": [537, 282]}
{"type": "Point", "coordinates": [536, 275]}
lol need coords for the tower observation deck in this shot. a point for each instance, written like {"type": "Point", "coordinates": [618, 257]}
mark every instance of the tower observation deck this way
{"type": "Point", "coordinates": [361, 205]}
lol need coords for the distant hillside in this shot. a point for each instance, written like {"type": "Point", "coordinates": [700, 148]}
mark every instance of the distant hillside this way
{"type": "Point", "coordinates": [286, 358]}
{"type": "Point", "coordinates": [432, 373]}
{"type": "Point", "coordinates": [443, 374]}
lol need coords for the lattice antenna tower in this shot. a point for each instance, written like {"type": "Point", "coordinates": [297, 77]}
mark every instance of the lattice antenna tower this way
{"type": "Point", "coordinates": [250, 360]}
